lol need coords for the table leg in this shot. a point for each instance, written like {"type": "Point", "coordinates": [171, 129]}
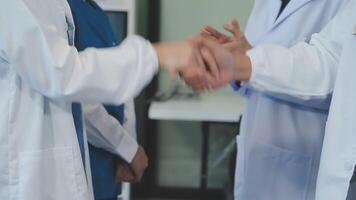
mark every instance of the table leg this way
{"type": "Point", "coordinates": [205, 157]}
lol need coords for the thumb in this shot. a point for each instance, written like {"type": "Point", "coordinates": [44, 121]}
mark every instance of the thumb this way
{"type": "Point", "coordinates": [234, 28]}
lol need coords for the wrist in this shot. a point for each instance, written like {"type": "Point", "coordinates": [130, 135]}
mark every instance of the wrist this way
{"type": "Point", "coordinates": [246, 44]}
{"type": "Point", "coordinates": [243, 67]}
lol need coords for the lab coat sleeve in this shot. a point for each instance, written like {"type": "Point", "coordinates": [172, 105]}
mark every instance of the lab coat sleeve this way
{"type": "Point", "coordinates": [305, 71]}
{"type": "Point", "coordinates": [319, 103]}
{"type": "Point", "coordinates": [39, 53]}
{"type": "Point", "coordinates": [130, 118]}
{"type": "Point", "coordinates": [104, 131]}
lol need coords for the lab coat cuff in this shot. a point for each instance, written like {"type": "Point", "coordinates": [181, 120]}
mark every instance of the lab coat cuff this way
{"type": "Point", "coordinates": [257, 67]}
{"type": "Point", "coordinates": [152, 59]}
{"type": "Point", "coordinates": [235, 85]}
{"type": "Point", "coordinates": [127, 148]}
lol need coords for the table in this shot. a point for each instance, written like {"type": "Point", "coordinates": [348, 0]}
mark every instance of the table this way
{"type": "Point", "coordinates": [207, 108]}
{"type": "Point", "coordinates": [211, 107]}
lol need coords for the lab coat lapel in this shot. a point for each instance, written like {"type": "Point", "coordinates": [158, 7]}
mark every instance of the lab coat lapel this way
{"type": "Point", "coordinates": [293, 6]}
{"type": "Point", "coordinates": [273, 9]}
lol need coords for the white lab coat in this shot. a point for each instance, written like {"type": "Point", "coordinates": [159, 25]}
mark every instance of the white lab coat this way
{"type": "Point", "coordinates": [281, 136]}
{"type": "Point", "coordinates": [106, 132]}
{"type": "Point", "coordinates": [40, 77]}
{"type": "Point", "coordinates": [311, 74]}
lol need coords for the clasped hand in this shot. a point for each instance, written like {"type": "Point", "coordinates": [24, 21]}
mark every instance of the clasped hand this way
{"type": "Point", "coordinates": [210, 60]}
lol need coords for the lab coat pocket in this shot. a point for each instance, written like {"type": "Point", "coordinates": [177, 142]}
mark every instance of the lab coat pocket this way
{"type": "Point", "coordinates": [276, 173]}
{"type": "Point", "coordinates": [48, 175]}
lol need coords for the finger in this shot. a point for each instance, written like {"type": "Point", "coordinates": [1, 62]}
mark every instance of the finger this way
{"type": "Point", "coordinates": [198, 58]}
{"type": "Point", "coordinates": [236, 25]}
{"type": "Point", "coordinates": [204, 34]}
{"type": "Point", "coordinates": [217, 34]}
{"type": "Point", "coordinates": [194, 79]}
{"type": "Point", "coordinates": [218, 84]}
{"type": "Point", "coordinates": [200, 78]}
{"type": "Point", "coordinates": [120, 175]}
{"type": "Point", "coordinates": [233, 28]}
{"type": "Point", "coordinates": [198, 84]}
{"type": "Point", "coordinates": [211, 63]}
{"type": "Point", "coordinates": [199, 88]}
{"type": "Point", "coordinates": [122, 172]}
{"type": "Point", "coordinates": [211, 45]}
{"type": "Point", "coordinates": [129, 177]}
{"type": "Point", "coordinates": [229, 28]}
{"type": "Point", "coordinates": [214, 32]}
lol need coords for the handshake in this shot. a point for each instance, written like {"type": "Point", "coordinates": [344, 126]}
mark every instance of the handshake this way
{"type": "Point", "coordinates": [209, 60]}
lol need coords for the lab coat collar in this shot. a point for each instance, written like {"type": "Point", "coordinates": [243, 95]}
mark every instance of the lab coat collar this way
{"type": "Point", "coordinates": [292, 7]}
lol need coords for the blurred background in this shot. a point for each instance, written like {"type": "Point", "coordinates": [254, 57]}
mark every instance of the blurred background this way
{"type": "Point", "coordinates": [192, 152]}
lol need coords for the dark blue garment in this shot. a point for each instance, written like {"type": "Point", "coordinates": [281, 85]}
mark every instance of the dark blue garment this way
{"type": "Point", "coordinates": [93, 30]}
{"type": "Point", "coordinates": [77, 116]}
{"type": "Point", "coordinates": [283, 6]}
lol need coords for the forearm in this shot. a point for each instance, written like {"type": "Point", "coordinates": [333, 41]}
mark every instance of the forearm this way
{"type": "Point", "coordinates": [35, 44]}
{"type": "Point", "coordinates": [299, 71]}
{"type": "Point", "coordinates": [106, 132]}
{"type": "Point", "coordinates": [122, 72]}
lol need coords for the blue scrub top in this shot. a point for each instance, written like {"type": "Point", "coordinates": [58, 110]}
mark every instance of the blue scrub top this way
{"type": "Point", "coordinates": [93, 30]}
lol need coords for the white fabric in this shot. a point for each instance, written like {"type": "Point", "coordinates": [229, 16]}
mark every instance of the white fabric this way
{"type": "Point", "coordinates": [106, 132]}
{"type": "Point", "coordinates": [312, 74]}
{"type": "Point", "coordinates": [281, 136]}
{"type": "Point", "coordinates": [40, 77]}
{"type": "Point", "coordinates": [130, 118]}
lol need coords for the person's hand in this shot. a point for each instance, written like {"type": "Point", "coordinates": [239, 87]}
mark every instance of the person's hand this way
{"type": "Point", "coordinates": [237, 42]}
{"type": "Point", "coordinates": [139, 163]}
{"type": "Point", "coordinates": [196, 78]}
{"type": "Point", "coordinates": [181, 56]}
{"type": "Point", "coordinates": [124, 173]}
{"type": "Point", "coordinates": [199, 78]}
{"type": "Point", "coordinates": [134, 171]}
{"type": "Point", "coordinates": [233, 66]}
